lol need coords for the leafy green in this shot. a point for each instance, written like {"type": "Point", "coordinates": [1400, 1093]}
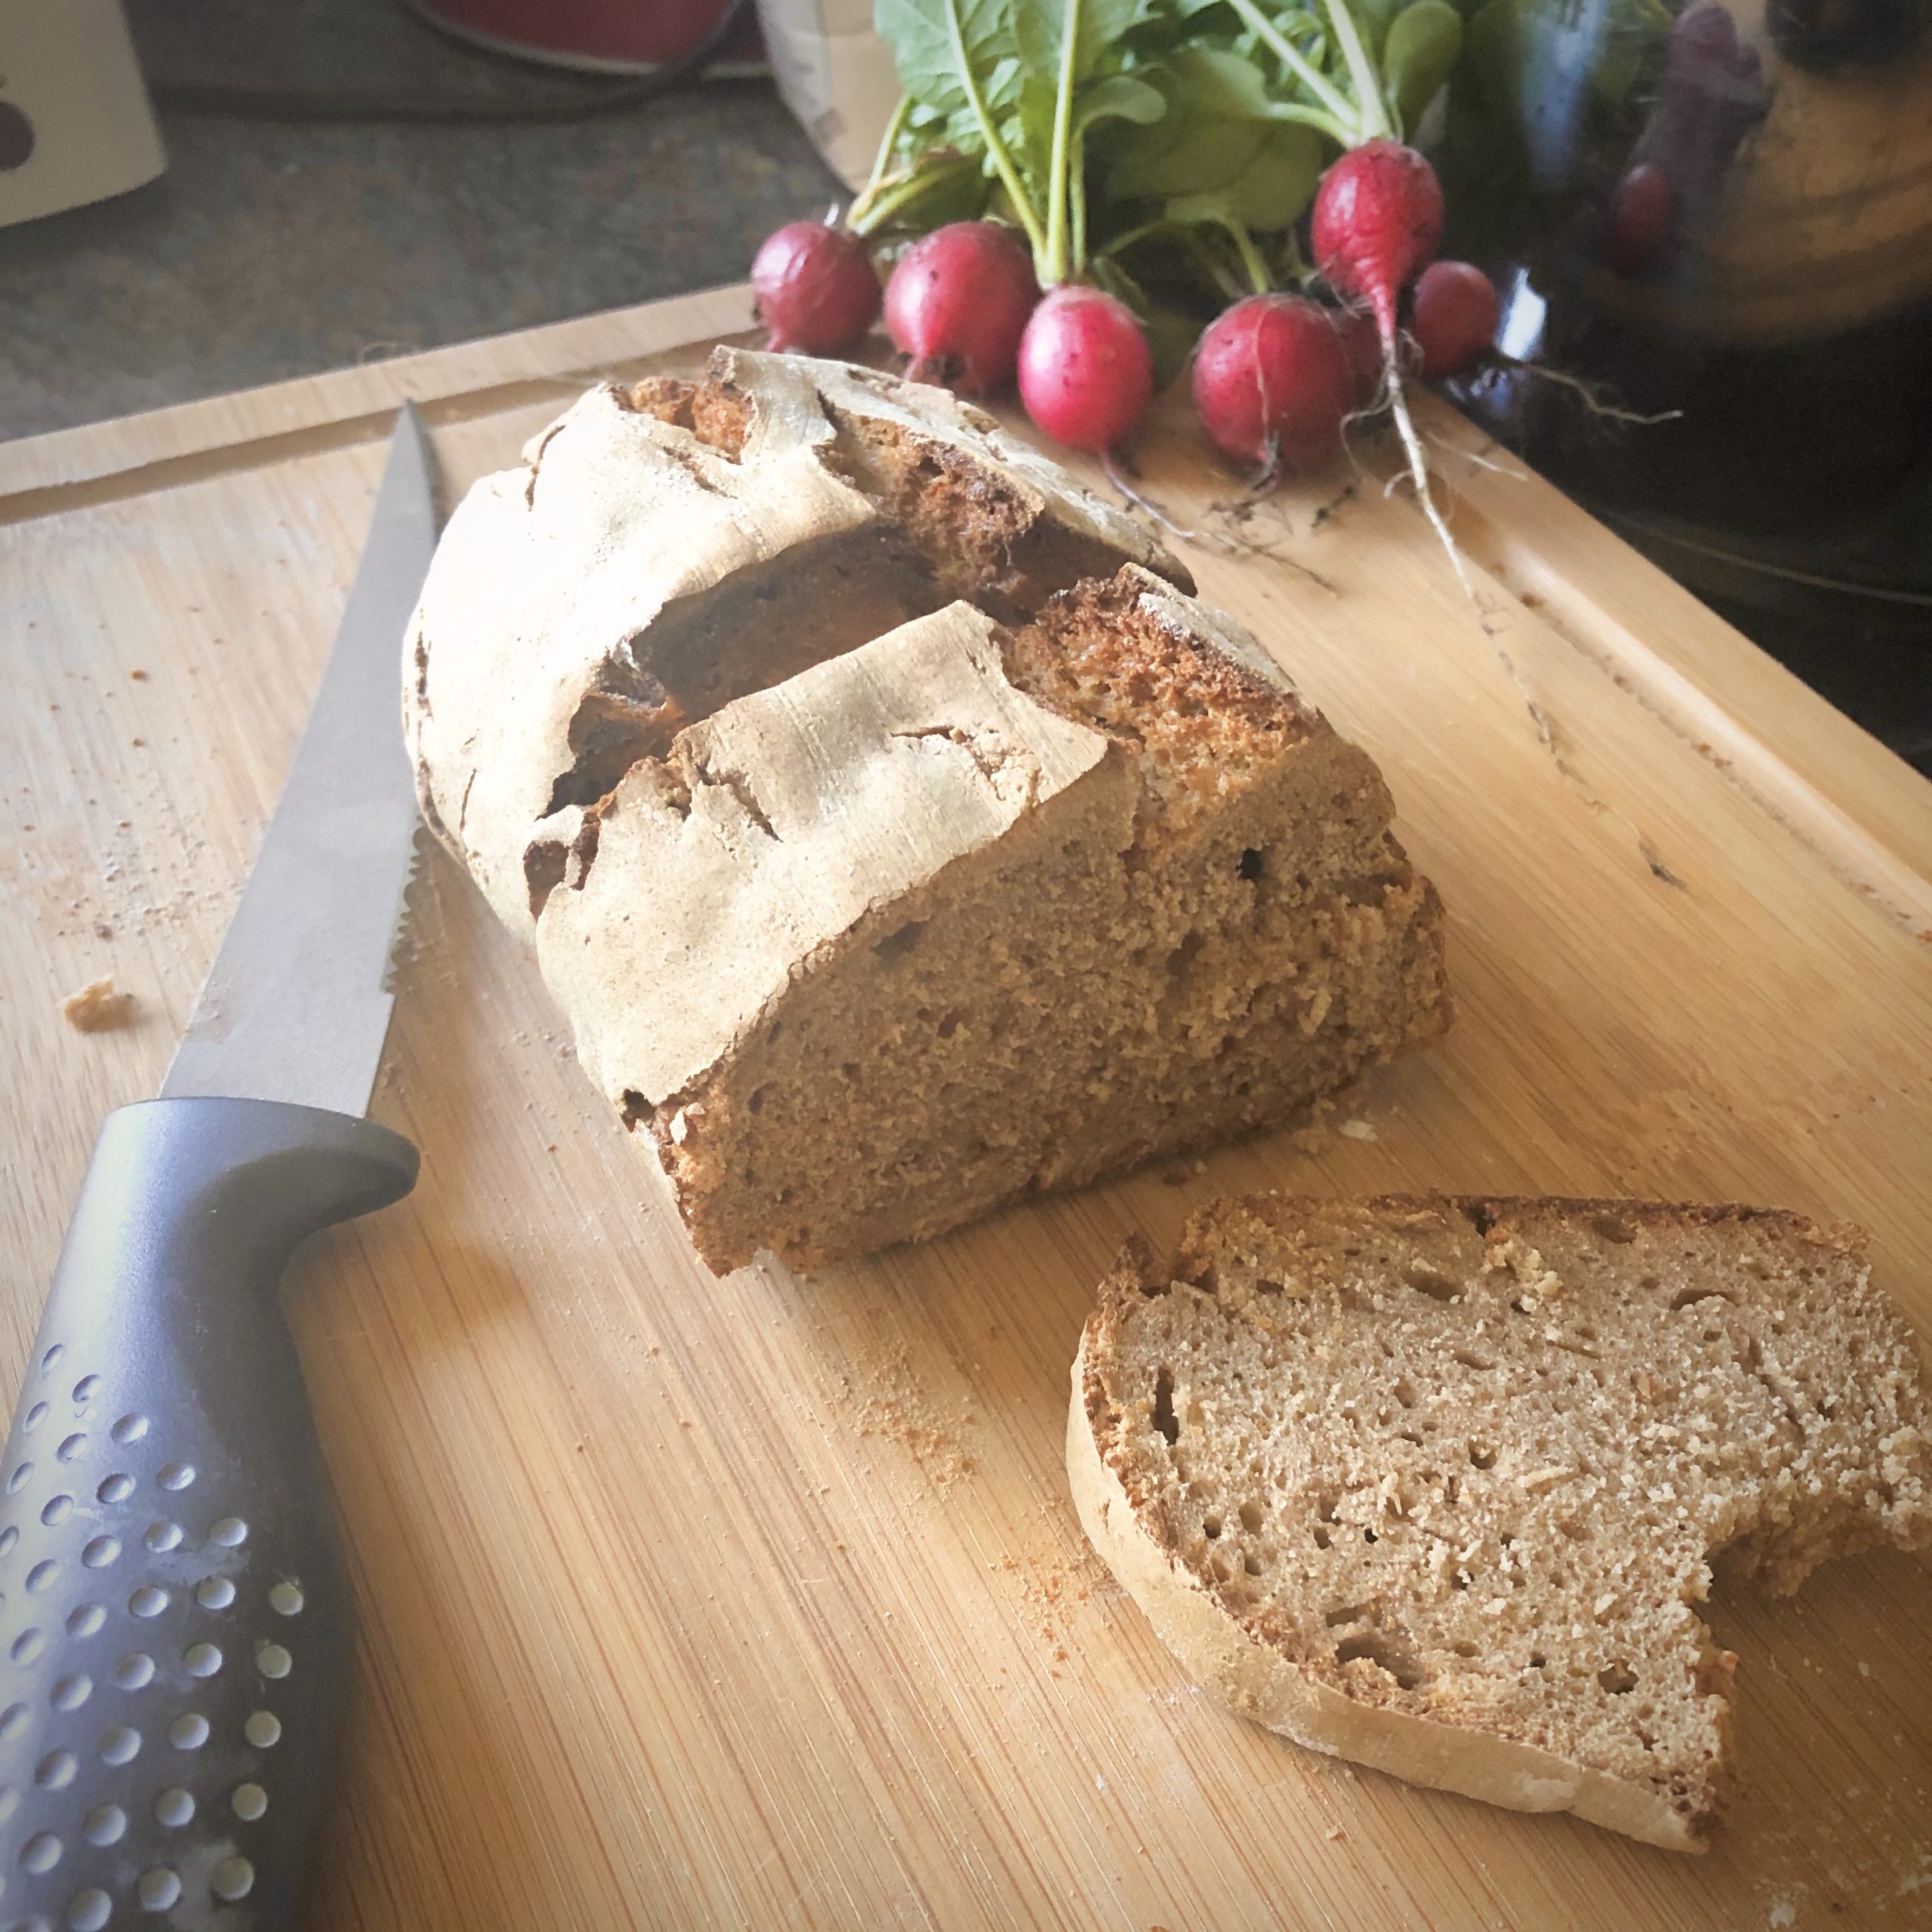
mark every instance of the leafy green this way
{"type": "Point", "coordinates": [922, 36]}
{"type": "Point", "coordinates": [1419, 55]}
{"type": "Point", "coordinates": [1270, 192]}
{"type": "Point", "coordinates": [1203, 155]}
{"type": "Point", "coordinates": [1193, 129]}
{"type": "Point", "coordinates": [1119, 98]}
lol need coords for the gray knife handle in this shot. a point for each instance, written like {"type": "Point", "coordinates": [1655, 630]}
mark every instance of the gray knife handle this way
{"type": "Point", "coordinates": [174, 1621]}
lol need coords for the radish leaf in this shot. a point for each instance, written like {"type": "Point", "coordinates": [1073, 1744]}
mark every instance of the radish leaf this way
{"type": "Point", "coordinates": [1270, 194]}
{"type": "Point", "coordinates": [1118, 97]}
{"type": "Point", "coordinates": [1424, 42]}
{"type": "Point", "coordinates": [921, 34]}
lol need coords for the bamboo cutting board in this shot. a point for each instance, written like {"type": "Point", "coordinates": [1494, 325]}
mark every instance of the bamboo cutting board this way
{"type": "Point", "coordinates": [759, 1602]}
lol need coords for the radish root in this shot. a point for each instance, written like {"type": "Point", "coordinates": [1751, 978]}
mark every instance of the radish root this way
{"type": "Point", "coordinates": [1594, 397]}
{"type": "Point", "coordinates": [1418, 465]}
{"type": "Point", "coordinates": [1148, 507]}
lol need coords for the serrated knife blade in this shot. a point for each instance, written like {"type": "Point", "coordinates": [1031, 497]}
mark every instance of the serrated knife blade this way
{"type": "Point", "coordinates": [296, 1004]}
{"type": "Point", "coordinates": [174, 1622]}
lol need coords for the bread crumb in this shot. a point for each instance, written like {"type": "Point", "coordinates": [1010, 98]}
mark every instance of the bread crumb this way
{"type": "Point", "coordinates": [1784, 1912]}
{"type": "Point", "coordinates": [1359, 1129]}
{"type": "Point", "coordinates": [1333, 1833]}
{"type": "Point", "coordinates": [97, 1007]}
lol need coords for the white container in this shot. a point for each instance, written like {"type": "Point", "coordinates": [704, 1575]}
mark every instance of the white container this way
{"type": "Point", "coordinates": [835, 74]}
{"type": "Point", "coordinates": [74, 124]}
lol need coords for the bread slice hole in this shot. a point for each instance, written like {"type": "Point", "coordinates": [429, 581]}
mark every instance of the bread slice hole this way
{"type": "Point", "coordinates": [1350, 1613]}
{"type": "Point", "coordinates": [1618, 1679]}
{"type": "Point", "coordinates": [1613, 1228]}
{"type": "Point", "coordinates": [1482, 1456]}
{"type": "Point", "coordinates": [1251, 1518]}
{"type": "Point", "coordinates": [1165, 1420]}
{"type": "Point", "coordinates": [1386, 1655]}
{"type": "Point", "coordinates": [1430, 1281]}
{"type": "Point", "coordinates": [1470, 1359]}
{"type": "Point", "coordinates": [895, 945]}
{"type": "Point", "coordinates": [1249, 865]}
{"type": "Point", "coordinates": [1689, 1297]}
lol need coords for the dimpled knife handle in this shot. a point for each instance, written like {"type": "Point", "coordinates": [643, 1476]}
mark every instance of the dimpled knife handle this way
{"type": "Point", "coordinates": [173, 1620]}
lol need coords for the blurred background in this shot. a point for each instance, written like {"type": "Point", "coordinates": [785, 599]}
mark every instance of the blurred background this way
{"type": "Point", "coordinates": [350, 180]}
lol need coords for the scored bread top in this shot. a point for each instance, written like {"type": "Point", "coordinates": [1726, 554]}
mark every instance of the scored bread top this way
{"type": "Point", "coordinates": [665, 550]}
{"type": "Point", "coordinates": [1436, 1484]}
{"type": "Point", "coordinates": [777, 827]}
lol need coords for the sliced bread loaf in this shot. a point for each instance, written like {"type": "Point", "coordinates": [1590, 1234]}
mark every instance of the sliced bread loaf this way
{"type": "Point", "coordinates": [972, 912]}
{"type": "Point", "coordinates": [897, 834]}
{"type": "Point", "coordinates": [1434, 1484]}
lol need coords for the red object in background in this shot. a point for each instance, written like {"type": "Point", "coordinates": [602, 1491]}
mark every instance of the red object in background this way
{"type": "Point", "coordinates": [616, 36]}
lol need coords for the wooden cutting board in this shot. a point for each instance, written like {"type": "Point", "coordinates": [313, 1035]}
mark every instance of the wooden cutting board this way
{"type": "Point", "coordinates": [760, 1601]}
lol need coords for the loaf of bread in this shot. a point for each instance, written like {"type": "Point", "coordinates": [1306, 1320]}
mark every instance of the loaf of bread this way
{"type": "Point", "coordinates": [898, 834]}
{"type": "Point", "coordinates": [1435, 1485]}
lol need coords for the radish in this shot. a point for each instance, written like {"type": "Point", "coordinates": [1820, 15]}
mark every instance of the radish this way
{"type": "Point", "coordinates": [1455, 317]}
{"type": "Point", "coordinates": [1378, 217]}
{"type": "Point", "coordinates": [958, 303]}
{"type": "Point", "coordinates": [1085, 371]}
{"type": "Point", "coordinates": [1640, 213]}
{"type": "Point", "coordinates": [1273, 380]}
{"type": "Point", "coordinates": [1365, 351]}
{"type": "Point", "coordinates": [815, 288]}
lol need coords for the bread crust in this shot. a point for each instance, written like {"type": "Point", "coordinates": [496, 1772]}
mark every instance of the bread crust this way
{"type": "Point", "coordinates": [1234, 1660]}
{"type": "Point", "coordinates": [581, 608]}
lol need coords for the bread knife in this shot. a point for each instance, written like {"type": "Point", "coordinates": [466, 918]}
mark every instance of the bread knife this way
{"type": "Point", "coordinates": [174, 1621]}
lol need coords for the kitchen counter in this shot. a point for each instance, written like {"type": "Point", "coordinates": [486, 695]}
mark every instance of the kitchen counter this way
{"type": "Point", "coordinates": [279, 243]}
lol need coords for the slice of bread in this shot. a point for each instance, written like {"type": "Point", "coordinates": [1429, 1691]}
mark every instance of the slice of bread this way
{"type": "Point", "coordinates": [1434, 1483]}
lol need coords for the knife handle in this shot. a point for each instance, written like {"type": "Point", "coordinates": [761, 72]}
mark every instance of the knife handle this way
{"type": "Point", "coordinates": [174, 1620]}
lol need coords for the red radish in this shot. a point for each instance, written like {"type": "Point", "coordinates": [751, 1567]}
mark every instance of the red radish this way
{"type": "Point", "coordinates": [957, 303]}
{"type": "Point", "coordinates": [1455, 317]}
{"type": "Point", "coordinates": [815, 288]}
{"type": "Point", "coordinates": [1272, 381]}
{"type": "Point", "coordinates": [1640, 213]}
{"type": "Point", "coordinates": [1085, 370]}
{"type": "Point", "coordinates": [1364, 349]}
{"type": "Point", "coordinates": [1378, 217]}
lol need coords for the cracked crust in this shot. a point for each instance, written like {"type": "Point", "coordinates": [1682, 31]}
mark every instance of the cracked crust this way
{"type": "Point", "coordinates": [665, 549]}
{"type": "Point", "coordinates": [1385, 1475]}
{"type": "Point", "coordinates": [755, 846]}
